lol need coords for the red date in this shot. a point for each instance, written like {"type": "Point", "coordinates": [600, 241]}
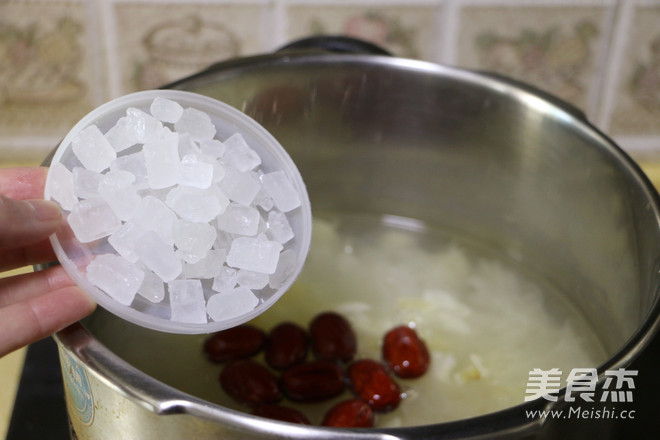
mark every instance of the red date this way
{"type": "Point", "coordinates": [250, 383]}
{"type": "Point", "coordinates": [234, 343]}
{"type": "Point", "coordinates": [405, 353]}
{"type": "Point", "coordinates": [352, 413]}
{"type": "Point", "coordinates": [286, 346]}
{"type": "Point", "coordinates": [371, 382]}
{"type": "Point", "coordinates": [282, 413]}
{"type": "Point", "coordinates": [313, 381]}
{"type": "Point", "coordinates": [332, 337]}
{"type": "Point", "coordinates": [334, 345]}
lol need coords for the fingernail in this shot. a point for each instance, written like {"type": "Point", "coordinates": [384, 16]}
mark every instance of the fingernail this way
{"type": "Point", "coordinates": [45, 211]}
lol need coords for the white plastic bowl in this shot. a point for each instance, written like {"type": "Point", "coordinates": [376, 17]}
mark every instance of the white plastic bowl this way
{"type": "Point", "coordinates": [74, 255]}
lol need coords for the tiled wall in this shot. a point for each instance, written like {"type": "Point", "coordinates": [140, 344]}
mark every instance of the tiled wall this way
{"type": "Point", "coordinates": [61, 58]}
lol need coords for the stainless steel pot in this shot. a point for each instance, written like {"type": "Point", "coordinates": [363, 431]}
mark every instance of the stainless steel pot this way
{"type": "Point", "coordinates": [495, 159]}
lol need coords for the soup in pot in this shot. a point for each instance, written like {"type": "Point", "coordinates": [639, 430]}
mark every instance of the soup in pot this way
{"type": "Point", "coordinates": [486, 320]}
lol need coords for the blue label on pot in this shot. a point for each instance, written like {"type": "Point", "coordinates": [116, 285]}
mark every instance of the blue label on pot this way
{"type": "Point", "coordinates": [80, 399]}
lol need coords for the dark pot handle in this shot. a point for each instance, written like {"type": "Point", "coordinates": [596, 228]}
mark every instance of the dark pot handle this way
{"type": "Point", "coordinates": [337, 44]}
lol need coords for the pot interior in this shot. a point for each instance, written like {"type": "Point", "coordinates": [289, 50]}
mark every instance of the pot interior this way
{"type": "Point", "coordinates": [420, 174]}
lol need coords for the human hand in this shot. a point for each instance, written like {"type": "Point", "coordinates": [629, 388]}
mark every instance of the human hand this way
{"type": "Point", "coordinates": [32, 305]}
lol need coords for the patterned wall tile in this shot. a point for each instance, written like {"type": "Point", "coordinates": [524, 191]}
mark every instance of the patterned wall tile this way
{"type": "Point", "coordinates": [636, 103]}
{"type": "Point", "coordinates": [554, 46]}
{"type": "Point", "coordinates": [407, 29]}
{"type": "Point", "coordinates": [61, 58]}
{"type": "Point", "coordinates": [47, 80]}
{"type": "Point", "coordinates": [152, 43]}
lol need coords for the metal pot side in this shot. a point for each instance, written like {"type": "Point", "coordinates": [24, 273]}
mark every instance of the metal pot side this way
{"type": "Point", "coordinates": [492, 158]}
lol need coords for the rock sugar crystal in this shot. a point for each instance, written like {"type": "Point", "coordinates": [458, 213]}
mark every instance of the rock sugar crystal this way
{"type": "Point", "coordinates": [177, 215]}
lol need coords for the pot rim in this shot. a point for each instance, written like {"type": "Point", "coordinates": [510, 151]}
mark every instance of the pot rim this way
{"type": "Point", "coordinates": [163, 399]}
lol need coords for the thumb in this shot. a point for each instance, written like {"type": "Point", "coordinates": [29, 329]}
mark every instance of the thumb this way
{"type": "Point", "coordinates": [23, 222]}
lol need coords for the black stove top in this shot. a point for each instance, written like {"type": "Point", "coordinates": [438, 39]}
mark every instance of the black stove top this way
{"type": "Point", "coordinates": [39, 410]}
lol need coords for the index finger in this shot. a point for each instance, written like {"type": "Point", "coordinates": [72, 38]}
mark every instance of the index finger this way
{"type": "Point", "coordinates": [37, 317]}
{"type": "Point", "coordinates": [23, 183]}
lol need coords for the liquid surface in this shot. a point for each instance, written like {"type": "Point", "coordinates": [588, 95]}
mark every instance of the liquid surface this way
{"type": "Point", "coordinates": [486, 320]}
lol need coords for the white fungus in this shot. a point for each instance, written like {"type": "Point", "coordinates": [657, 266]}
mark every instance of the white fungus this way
{"type": "Point", "coordinates": [194, 220]}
